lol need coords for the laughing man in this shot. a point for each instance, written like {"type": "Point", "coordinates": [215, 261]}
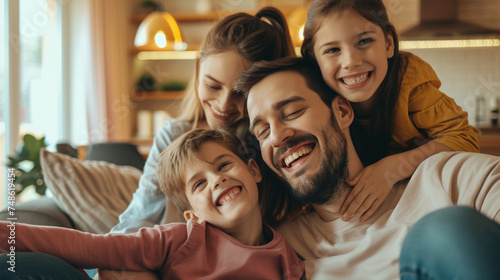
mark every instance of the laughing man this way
{"type": "Point", "coordinates": [303, 132]}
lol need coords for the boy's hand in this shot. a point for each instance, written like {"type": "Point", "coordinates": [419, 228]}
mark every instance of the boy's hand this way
{"type": "Point", "coordinates": [370, 188]}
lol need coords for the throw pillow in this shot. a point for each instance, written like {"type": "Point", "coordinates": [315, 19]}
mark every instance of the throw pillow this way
{"type": "Point", "coordinates": [92, 193]}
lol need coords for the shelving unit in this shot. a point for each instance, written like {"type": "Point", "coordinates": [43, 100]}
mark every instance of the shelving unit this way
{"type": "Point", "coordinates": [198, 17]}
{"type": "Point", "coordinates": [164, 100]}
{"type": "Point", "coordinates": [184, 17]}
{"type": "Point", "coordinates": [489, 140]}
{"type": "Point", "coordinates": [157, 95]}
{"type": "Point", "coordinates": [159, 99]}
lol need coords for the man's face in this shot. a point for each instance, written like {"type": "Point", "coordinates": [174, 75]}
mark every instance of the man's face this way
{"type": "Point", "coordinates": [298, 135]}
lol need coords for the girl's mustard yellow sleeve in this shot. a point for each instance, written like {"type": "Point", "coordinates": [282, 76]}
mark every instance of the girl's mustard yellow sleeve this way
{"type": "Point", "coordinates": [441, 118]}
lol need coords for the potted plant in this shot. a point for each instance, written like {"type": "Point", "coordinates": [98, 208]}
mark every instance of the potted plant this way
{"type": "Point", "coordinates": [27, 166]}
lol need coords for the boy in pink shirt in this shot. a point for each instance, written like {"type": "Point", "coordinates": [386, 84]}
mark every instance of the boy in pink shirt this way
{"type": "Point", "coordinates": [216, 189]}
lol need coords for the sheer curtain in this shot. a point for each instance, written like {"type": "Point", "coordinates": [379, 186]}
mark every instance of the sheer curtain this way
{"type": "Point", "coordinates": [98, 44]}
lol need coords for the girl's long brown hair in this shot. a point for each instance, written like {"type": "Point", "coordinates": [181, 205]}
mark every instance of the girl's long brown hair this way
{"type": "Point", "coordinates": [372, 144]}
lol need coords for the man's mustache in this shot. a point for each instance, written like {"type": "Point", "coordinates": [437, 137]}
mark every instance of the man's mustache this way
{"type": "Point", "coordinates": [290, 143]}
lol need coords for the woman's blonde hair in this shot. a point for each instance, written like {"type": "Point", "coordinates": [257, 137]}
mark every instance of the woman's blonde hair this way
{"type": "Point", "coordinates": [264, 36]}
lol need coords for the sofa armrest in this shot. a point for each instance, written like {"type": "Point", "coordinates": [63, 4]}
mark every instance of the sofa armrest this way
{"type": "Point", "coordinates": [41, 211]}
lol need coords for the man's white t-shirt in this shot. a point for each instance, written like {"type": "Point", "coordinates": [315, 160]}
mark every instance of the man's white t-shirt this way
{"type": "Point", "coordinates": [371, 249]}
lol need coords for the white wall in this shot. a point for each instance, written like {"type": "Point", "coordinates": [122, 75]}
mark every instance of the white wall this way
{"type": "Point", "coordinates": [465, 73]}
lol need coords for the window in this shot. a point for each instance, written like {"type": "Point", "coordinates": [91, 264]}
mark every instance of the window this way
{"type": "Point", "coordinates": [39, 45]}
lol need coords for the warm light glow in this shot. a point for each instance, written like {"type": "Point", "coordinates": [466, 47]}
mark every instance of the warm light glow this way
{"type": "Point", "coordinates": [159, 32]}
{"type": "Point", "coordinates": [166, 55]}
{"type": "Point", "coordinates": [301, 33]}
{"type": "Point", "coordinates": [174, 27]}
{"type": "Point", "coordinates": [442, 44]}
{"type": "Point", "coordinates": [160, 39]}
{"type": "Point", "coordinates": [297, 51]}
{"type": "Point", "coordinates": [296, 22]}
{"type": "Point", "coordinates": [180, 46]}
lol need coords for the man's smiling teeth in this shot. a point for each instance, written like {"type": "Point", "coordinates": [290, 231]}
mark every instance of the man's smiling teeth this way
{"type": "Point", "coordinates": [228, 196]}
{"type": "Point", "coordinates": [219, 112]}
{"type": "Point", "coordinates": [289, 159]}
{"type": "Point", "coordinates": [356, 80]}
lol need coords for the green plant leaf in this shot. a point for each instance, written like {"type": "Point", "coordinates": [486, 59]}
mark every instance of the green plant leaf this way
{"type": "Point", "coordinates": [40, 189]}
{"type": "Point", "coordinates": [29, 151]}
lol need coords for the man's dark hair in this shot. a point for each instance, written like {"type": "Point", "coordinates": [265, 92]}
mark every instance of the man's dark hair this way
{"type": "Point", "coordinates": [307, 69]}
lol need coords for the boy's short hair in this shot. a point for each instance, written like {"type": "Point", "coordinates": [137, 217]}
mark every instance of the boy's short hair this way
{"type": "Point", "coordinates": [184, 152]}
{"type": "Point", "coordinates": [306, 68]}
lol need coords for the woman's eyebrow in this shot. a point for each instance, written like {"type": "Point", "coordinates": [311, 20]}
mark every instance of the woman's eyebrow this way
{"type": "Point", "coordinates": [208, 76]}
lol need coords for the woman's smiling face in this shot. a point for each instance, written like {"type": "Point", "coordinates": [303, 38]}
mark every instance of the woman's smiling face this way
{"type": "Point", "coordinates": [217, 78]}
{"type": "Point", "coordinates": [352, 53]}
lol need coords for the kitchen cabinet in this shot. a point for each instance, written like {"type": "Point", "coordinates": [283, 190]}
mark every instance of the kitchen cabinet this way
{"type": "Point", "coordinates": [489, 140]}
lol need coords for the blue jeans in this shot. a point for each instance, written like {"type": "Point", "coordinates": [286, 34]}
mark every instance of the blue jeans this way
{"type": "Point", "coordinates": [38, 266]}
{"type": "Point", "coordinates": [452, 243]}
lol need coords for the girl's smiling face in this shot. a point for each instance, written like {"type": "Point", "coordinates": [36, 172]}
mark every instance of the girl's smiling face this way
{"type": "Point", "coordinates": [217, 78]}
{"type": "Point", "coordinates": [352, 53]}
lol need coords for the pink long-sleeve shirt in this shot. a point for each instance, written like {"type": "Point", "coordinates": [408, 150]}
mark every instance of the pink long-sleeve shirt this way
{"type": "Point", "coordinates": [177, 251]}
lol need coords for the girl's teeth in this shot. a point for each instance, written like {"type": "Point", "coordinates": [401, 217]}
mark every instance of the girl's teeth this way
{"type": "Point", "coordinates": [356, 80]}
{"type": "Point", "coordinates": [289, 159]}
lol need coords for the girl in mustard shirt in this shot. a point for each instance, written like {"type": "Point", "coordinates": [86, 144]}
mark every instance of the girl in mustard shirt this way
{"type": "Point", "coordinates": [401, 116]}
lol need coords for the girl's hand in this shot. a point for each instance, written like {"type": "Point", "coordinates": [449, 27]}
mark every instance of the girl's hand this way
{"type": "Point", "coordinates": [372, 185]}
{"type": "Point", "coordinates": [370, 188]}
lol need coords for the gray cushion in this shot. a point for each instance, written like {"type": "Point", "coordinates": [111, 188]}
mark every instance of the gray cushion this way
{"type": "Point", "coordinates": [41, 211]}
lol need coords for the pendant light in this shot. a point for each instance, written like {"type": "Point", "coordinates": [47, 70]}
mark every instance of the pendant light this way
{"type": "Point", "coordinates": [159, 32]}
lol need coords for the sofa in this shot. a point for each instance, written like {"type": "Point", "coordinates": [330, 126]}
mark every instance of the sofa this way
{"type": "Point", "coordinates": [41, 211]}
{"type": "Point", "coordinates": [86, 195]}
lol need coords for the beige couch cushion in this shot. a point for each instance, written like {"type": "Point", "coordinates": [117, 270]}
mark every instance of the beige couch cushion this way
{"type": "Point", "coordinates": [92, 193]}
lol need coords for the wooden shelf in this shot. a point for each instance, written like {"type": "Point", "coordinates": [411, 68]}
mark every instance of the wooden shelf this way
{"type": "Point", "coordinates": [157, 95]}
{"type": "Point", "coordinates": [489, 129]}
{"type": "Point", "coordinates": [489, 140]}
{"type": "Point", "coordinates": [200, 17]}
{"type": "Point", "coordinates": [190, 47]}
{"type": "Point", "coordinates": [185, 17]}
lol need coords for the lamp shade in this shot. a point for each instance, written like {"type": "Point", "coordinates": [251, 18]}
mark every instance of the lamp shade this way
{"type": "Point", "coordinates": [159, 32]}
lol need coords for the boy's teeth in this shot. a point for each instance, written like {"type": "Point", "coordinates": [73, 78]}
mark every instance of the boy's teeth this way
{"type": "Point", "coordinates": [289, 159]}
{"type": "Point", "coordinates": [356, 80]}
{"type": "Point", "coordinates": [228, 196]}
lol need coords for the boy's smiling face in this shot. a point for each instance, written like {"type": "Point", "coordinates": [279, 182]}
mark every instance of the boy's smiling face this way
{"type": "Point", "coordinates": [221, 188]}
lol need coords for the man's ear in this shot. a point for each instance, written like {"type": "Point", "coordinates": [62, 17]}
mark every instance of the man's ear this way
{"type": "Point", "coordinates": [254, 169]}
{"type": "Point", "coordinates": [190, 214]}
{"type": "Point", "coordinates": [389, 46]}
{"type": "Point", "coordinates": [343, 111]}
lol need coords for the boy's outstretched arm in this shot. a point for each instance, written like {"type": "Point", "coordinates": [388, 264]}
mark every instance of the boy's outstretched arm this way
{"type": "Point", "coordinates": [143, 251]}
{"type": "Point", "coordinates": [372, 185]}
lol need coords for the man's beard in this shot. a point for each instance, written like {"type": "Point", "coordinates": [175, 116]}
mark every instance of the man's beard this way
{"type": "Point", "coordinates": [331, 179]}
